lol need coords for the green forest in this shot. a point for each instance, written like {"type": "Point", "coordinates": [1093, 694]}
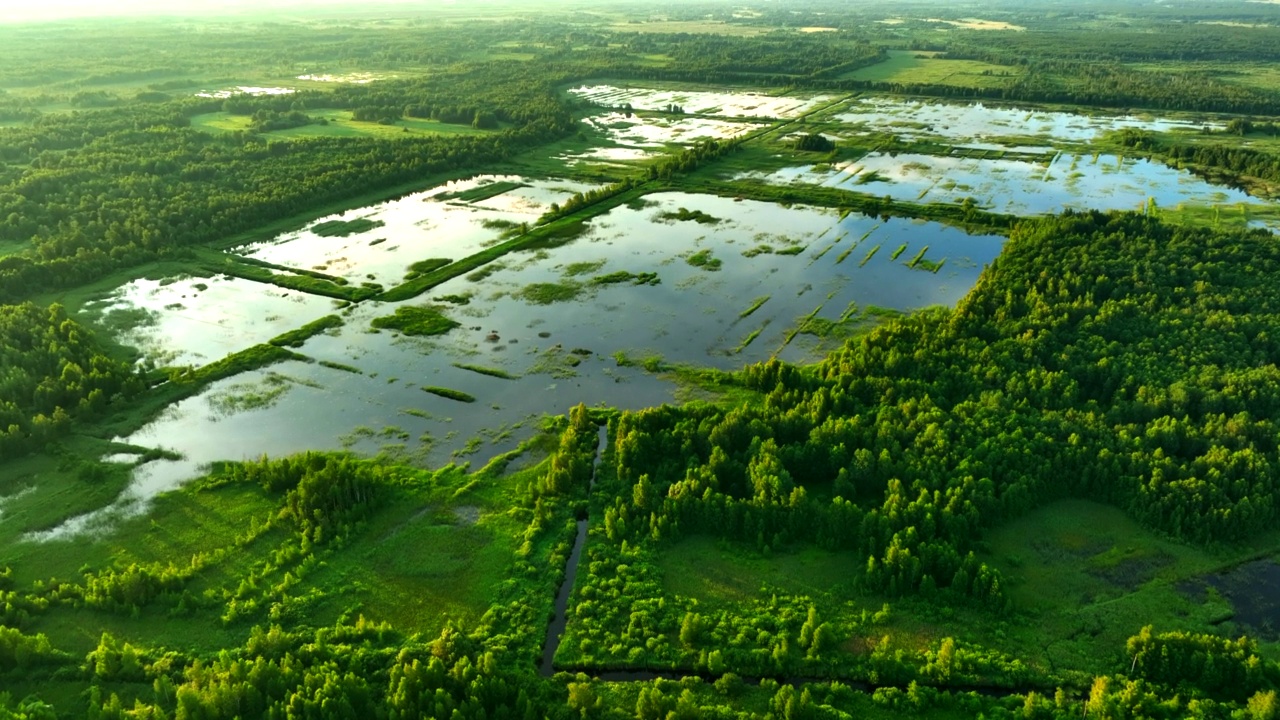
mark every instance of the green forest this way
{"type": "Point", "coordinates": [800, 360]}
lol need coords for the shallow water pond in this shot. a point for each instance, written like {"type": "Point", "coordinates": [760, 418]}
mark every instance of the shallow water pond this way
{"type": "Point", "coordinates": [713, 282]}
{"type": "Point", "coordinates": [1104, 182]}
{"type": "Point", "coordinates": [432, 224]}
{"type": "Point", "coordinates": [245, 90]}
{"type": "Point", "coordinates": [657, 132]}
{"type": "Point", "coordinates": [914, 119]}
{"type": "Point", "coordinates": [702, 102]}
{"type": "Point", "coordinates": [196, 321]}
{"type": "Point", "coordinates": [1253, 589]}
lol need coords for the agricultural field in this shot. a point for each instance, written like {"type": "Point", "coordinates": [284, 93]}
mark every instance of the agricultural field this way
{"type": "Point", "coordinates": [335, 123]}
{"type": "Point", "coordinates": [925, 67]}
{"type": "Point", "coordinates": [667, 361]}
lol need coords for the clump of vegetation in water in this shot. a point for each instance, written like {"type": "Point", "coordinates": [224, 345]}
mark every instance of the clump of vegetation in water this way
{"type": "Point", "coordinates": [813, 142]}
{"type": "Point", "coordinates": [343, 228]}
{"type": "Point", "coordinates": [750, 338]}
{"type": "Point", "coordinates": [755, 305]}
{"type": "Point", "coordinates": [418, 321]}
{"type": "Point", "coordinates": [901, 249]}
{"type": "Point", "coordinates": [870, 254]}
{"type": "Point", "coordinates": [623, 276]}
{"type": "Point", "coordinates": [703, 259]}
{"type": "Point", "coordinates": [919, 256]}
{"type": "Point", "coordinates": [454, 299]}
{"type": "Point", "coordinates": [483, 192]}
{"type": "Point", "coordinates": [641, 203]}
{"type": "Point", "coordinates": [449, 393]}
{"type": "Point", "coordinates": [422, 267]}
{"type": "Point", "coordinates": [491, 372]}
{"type": "Point", "coordinates": [340, 366]}
{"type": "Point", "coordinates": [548, 293]}
{"type": "Point", "coordinates": [685, 215]}
{"type": "Point", "coordinates": [583, 268]}
{"type": "Point", "coordinates": [929, 265]}
{"type": "Point", "coordinates": [507, 226]}
{"type": "Point", "coordinates": [556, 362]}
{"type": "Point", "coordinates": [485, 271]}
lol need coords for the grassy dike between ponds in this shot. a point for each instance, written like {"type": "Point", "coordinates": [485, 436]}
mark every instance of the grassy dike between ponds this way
{"type": "Point", "coordinates": [552, 234]}
{"type": "Point", "coordinates": [971, 220]}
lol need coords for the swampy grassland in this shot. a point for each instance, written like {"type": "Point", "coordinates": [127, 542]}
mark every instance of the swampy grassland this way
{"type": "Point", "coordinates": [808, 361]}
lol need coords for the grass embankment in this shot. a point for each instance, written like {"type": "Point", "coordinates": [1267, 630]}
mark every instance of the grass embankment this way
{"type": "Point", "coordinates": [815, 195]}
{"type": "Point", "coordinates": [490, 371]}
{"type": "Point", "coordinates": [552, 234]}
{"type": "Point", "coordinates": [449, 393]}
{"type": "Point", "coordinates": [755, 305]}
{"type": "Point", "coordinates": [299, 337]}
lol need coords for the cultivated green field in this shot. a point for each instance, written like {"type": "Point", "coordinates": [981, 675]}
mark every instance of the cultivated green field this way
{"type": "Point", "coordinates": [923, 67]}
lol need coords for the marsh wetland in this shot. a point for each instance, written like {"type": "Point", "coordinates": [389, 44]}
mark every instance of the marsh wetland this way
{"type": "Point", "coordinates": [798, 361]}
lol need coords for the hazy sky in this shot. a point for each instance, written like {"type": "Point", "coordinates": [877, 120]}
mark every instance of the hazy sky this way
{"type": "Point", "coordinates": [22, 10]}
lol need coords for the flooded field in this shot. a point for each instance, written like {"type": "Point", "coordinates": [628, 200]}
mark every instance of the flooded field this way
{"type": "Point", "coordinates": [1253, 589]}
{"type": "Point", "coordinates": [699, 102]}
{"type": "Point", "coordinates": [451, 222]}
{"type": "Point", "coordinates": [657, 132]}
{"type": "Point", "coordinates": [245, 90]}
{"type": "Point", "coordinates": [913, 119]}
{"type": "Point", "coordinates": [1105, 182]}
{"type": "Point", "coordinates": [543, 331]}
{"type": "Point", "coordinates": [356, 78]}
{"type": "Point", "coordinates": [170, 320]}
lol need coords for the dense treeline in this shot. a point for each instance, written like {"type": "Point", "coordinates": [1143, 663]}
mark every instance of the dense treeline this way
{"type": "Point", "coordinates": [1093, 85]}
{"type": "Point", "coordinates": [1162, 42]}
{"type": "Point", "coordinates": [1104, 356]}
{"type": "Point", "coordinates": [51, 370]}
{"type": "Point", "coordinates": [111, 189]}
{"type": "Point", "coordinates": [1213, 160]}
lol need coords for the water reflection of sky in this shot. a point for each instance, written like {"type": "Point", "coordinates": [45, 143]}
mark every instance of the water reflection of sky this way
{"type": "Point", "coordinates": [1104, 182]}
{"type": "Point", "coordinates": [692, 316]}
{"type": "Point", "coordinates": [977, 121]}
{"type": "Point", "coordinates": [702, 102]}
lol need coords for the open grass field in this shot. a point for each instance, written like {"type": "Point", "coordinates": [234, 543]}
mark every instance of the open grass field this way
{"type": "Point", "coordinates": [40, 491]}
{"type": "Point", "coordinates": [1082, 576]}
{"type": "Point", "coordinates": [708, 27]}
{"type": "Point", "coordinates": [1260, 75]}
{"type": "Point", "coordinates": [11, 247]}
{"type": "Point", "coordinates": [911, 66]}
{"type": "Point", "coordinates": [339, 124]}
{"type": "Point", "coordinates": [724, 573]}
{"type": "Point", "coordinates": [435, 550]}
{"type": "Point", "coordinates": [1085, 577]}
